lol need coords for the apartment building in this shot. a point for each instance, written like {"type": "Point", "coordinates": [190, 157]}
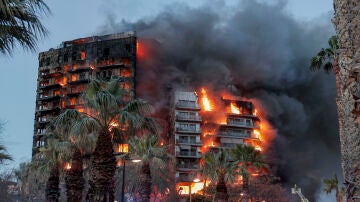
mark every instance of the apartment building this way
{"type": "Point", "coordinates": [65, 71]}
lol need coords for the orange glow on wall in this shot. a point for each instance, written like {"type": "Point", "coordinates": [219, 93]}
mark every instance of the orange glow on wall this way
{"type": "Point", "coordinates": [73, 101]}
{"type": "Point", "coordinates": [83, 55]}
{"type": "Point", "coordinates": [56, 92]}
{"type": "Point", "coordinates": [74, 67]}
{"type": "Point", "coordinates": [123, 148]}
{"type": "Point", "coordinates": [73, 77]}
{"type": "Point", "coordinates": [234, 108]}
{"type": "Point", "coordinates": [205, 101]}
{"type": "Point", "coordinates": [66, 67]}
{"type": "Point", "coordinates": [125, 73]}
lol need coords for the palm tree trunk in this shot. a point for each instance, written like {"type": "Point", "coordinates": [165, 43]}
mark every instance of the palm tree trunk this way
{"type": "Point", "coordinates": [221, 189]}
{"type": "Point", "coordinates": [346, 21]}
{"type": "Point", "coordinates": [145, 184]}
{"type": "Point", "coordinates": [103, 166]}
{"type": "Point", "coordinates": [52, 186]}
{"type": "Point", "coordinates": [74, 179]}
{"type": "Point", "coordinates": [246, 187]}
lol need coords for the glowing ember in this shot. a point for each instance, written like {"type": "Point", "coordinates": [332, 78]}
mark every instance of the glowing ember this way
{"type": "Point", "coordinates": [205, 101]}
{"type": "Point", "coordinates": [234, 109]}
{"type": "Point", "coordinates": [67, 166]}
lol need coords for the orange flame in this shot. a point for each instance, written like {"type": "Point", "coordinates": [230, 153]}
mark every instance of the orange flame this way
{"type": "Point", "coordinates": [258, 148]}
{"type": "Point", "coordinates": [205, 101]}
{"type": "Point", "coordinates": [123, 148]}
{"type": "Point", "coordinates": [67, 166]}
{"type": "Point", "coordinates": [255, 112]}
{"type": "Point", "coordinates": [234, 109]}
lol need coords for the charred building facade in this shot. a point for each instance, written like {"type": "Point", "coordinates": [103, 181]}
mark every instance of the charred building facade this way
{"type": "Point", "coordinates": [64, 73]}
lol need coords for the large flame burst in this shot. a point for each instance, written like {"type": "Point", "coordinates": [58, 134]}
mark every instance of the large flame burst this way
{"type": "Point", "coordinates": [205, 101]}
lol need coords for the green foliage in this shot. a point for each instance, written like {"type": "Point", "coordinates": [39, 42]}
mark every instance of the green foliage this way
{"type": "Point", "coordinates": [147, 148]}
{"type": "Point", "coordinates": [4, 156]}
{"type": "Point", "coordinates": [325, 57]}
{"type": "Point", "coordinates": [20, 23]}
{"type": "Point", "coordinates": [245, 157]}
{"type": "Point", "coordinates": [217, 164]}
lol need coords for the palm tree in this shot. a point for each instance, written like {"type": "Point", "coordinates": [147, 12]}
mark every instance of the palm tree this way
{"type": "Point", "coordinates": [333, 184]}
{"type": "Point", "coordinates": [49, 160]}
{"type": "Point", "coordinates": [70, 125]}
{"type": "Point", "coordinates": [346, 21]}
{"type": "Point", "coordinates": [149, 151]}
{"type": "Point", "coordinates": [217, 167]}
{"type": "Point", "coordinates": [109, 113]}
{"type": "Point", "coordinates": [20, 23]}
{"type": "Point", "coordinates": [4, 156]}
{"type": "Point", "coordinates": [246, 158]}
{"type": "Point", "coordinates": [327, 59]}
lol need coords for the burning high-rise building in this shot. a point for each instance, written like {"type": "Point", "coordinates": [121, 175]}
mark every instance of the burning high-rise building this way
{"type": "Point", "coordinates": [198, 128]}
{"type": "Point", "coordinates": [187, 138]}
{"type": "Point", "coordinates": [64, 73]}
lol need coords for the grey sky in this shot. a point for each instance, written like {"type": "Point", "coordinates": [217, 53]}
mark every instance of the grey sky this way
{"type": "Point", "coordinates": [80, 18]}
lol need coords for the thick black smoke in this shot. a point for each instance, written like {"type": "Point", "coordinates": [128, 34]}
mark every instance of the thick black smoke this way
{"type": "Point", "coordinates": [265, 53]}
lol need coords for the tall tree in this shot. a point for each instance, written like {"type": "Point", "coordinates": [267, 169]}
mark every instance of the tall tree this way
{"type": "Point", "coordinates": [71, 124]}
{"type": "Point", "coordinates": [245, 159]}
{"type": "Point", "coordinates": [109, 112]}
{"type": "Point", "coordinates": [50, 159]}
{"type": "Point", "coordinates": [346, 21]}
{"type": "Point", "coordinates": [218, 167]}
{"type": "Point", "coordinates": [327, 59]}
{"type": "Point", "coordinates": [20, 23]}
{"type": "Point", "coordinates": [333, 184]}
{"type": "Point", "coordinates": [4, 156]}
{"type": "Point", "coordinates": [147, 148]}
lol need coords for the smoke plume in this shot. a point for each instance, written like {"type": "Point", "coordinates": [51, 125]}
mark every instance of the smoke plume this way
{"type": "Point", "coordinates": [264, 54]}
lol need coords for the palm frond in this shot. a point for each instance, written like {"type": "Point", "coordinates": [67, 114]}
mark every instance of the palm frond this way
{"type": "Point", "coordinates": [20, 23]}
{"type": "Point", "coordinates": [328, 67]}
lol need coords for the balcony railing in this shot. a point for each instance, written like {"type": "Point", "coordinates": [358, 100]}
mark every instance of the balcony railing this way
{"type": "Point", "coordinates": [49, 97]}
{"type": "Point", "coordinates": [192, 154]}
{"type": "Point", "coordinates": [187, 130]}
{"type": "Point", "coordinates": [188, 118]}
{"type": "Point", "coordinates": [187, 105]}
{"type": "Point", "coordinates": [178, 141]}
{"type": "Point", "coordinates": [232, 134]}
{"type": "Point", "coordinates": [188, 166]}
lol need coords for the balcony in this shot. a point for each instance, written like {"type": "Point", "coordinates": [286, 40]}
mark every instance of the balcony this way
{"type": "Point", "coordinates": [49, 98]}
{"type": "Point", "coordinates": [56, 73]}
{"type": "Point", "coordinates": [242, 125]}
{"type": "Point", "coordinates": [190, 106]}
{"type": "Point", "coordinates": [81, 80]}
{"type": "Point", "coordinates": [232, 134]}
{"type": "Point", "coordinates": [188, 118]}
{"type": "Point", "coordinates": [188, 142]}
{"type": "Point", "coordinates": [188, 166]}
{"type": "Point", "coordinates": [188, 154]}
{"type": "Point", "coordinates": [188, 130]}
{"type": "Point", "coordinates": [49, 86]}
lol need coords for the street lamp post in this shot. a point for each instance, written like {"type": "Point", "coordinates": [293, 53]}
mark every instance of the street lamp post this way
{"type": "Point", "coordinates": [123, 149]}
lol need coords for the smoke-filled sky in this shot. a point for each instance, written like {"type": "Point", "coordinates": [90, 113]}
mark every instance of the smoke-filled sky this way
{"type": "Point", "coordinates": [265, 53]}
{"type": "Point", "coordinates": [262, 49]}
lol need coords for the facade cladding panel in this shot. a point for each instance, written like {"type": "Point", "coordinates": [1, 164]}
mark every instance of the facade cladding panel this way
{"type": "Point", "coordinates": [64, 73]}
